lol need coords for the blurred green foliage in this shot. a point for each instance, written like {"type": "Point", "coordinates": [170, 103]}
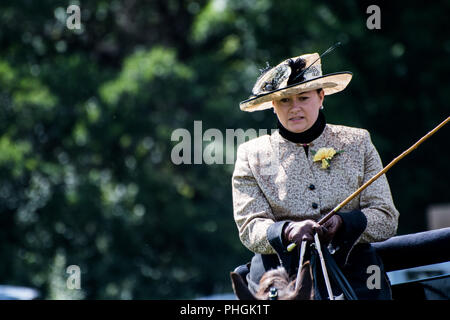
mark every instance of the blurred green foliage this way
{"type": "Point", "coordinates": [86, 118]}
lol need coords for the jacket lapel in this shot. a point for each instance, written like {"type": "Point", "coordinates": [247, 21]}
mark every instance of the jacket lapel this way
{"type": "Point", "coordinates": [291, 157]}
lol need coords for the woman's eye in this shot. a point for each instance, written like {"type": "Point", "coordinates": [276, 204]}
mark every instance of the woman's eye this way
{"type": "Point", "coordinates": [285, 100]}
{"type": "Point", "coordinates": [302, 98]}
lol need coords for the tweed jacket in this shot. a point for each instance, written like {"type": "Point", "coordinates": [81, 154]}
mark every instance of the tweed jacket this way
{"type": "Point", "coordinates": [275, 180]}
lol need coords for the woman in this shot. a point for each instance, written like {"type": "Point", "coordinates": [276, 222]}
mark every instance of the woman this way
{"type": "Point", "coordinates": [284, 183]}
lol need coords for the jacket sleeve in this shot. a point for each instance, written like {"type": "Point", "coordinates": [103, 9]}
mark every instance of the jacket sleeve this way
{"type": "Point", "coordinates": [252, 212]}
{"type": "Point", "coordinates": [376, 200]}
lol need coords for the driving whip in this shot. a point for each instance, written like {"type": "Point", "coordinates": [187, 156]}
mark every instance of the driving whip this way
{"type": "Point", "coordinates": [375, 177]}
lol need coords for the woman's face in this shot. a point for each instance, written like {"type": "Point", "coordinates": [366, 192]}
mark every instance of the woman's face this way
{"type": "Point", "coordinates": [297, 113]}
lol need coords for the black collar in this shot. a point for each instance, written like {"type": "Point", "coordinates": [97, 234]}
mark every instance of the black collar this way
{"type": "Point", "coordinates": [306, 136]}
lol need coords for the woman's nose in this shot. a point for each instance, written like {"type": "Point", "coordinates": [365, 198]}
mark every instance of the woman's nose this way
{"type": "Point", "coordinates": [296, 104]}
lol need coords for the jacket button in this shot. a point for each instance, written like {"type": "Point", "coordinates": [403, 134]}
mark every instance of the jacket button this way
{"type": "Point", "coordinates": [312, 187]}
{"type": "Point", "coordinates": [315, 205]}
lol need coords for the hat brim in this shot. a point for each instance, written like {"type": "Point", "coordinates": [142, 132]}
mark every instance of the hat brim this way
{"type": "Point", "coordinates": [330, 83]}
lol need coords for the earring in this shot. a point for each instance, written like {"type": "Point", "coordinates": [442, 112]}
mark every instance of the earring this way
{"type": "Point", "coordinates": [321, 107]}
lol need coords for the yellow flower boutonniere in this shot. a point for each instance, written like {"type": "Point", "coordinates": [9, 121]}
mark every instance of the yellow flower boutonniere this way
{"type": "Point", "coordinates": [325, 155]}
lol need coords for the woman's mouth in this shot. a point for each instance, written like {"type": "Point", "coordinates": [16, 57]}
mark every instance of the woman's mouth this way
{"type": "Point", "coordinates": [296, 119]}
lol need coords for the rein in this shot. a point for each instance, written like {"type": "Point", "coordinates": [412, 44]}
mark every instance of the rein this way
{"type": "Point", "coordinates": [273, 292]}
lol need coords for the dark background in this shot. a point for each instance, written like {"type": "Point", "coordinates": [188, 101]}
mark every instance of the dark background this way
{"type": "Point", "coordinates": [86, 118]}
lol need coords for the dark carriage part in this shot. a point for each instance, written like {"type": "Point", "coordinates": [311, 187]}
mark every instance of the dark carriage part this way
{"type": "Point", "coordinates": [434, 288]}
{"type": "Point", "coordinates": [413, 250]}
{"type": "Point", "coordinates": [404, 252]}
{"type": "Point", "coordinates": [422, 257]}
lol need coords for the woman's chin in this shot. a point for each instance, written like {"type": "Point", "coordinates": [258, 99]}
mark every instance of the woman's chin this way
{"type": "Point", "coordinates": [297, 127]}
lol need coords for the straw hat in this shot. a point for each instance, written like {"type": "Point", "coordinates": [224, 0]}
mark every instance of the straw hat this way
{"type": "Point", "coordinates": [293, 76]}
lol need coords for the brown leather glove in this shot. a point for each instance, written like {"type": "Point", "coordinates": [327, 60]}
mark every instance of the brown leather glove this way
{"type": "Point", "coordinates": [302, 230]}
{"type": "Point", "coordinates": [331, 227]}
